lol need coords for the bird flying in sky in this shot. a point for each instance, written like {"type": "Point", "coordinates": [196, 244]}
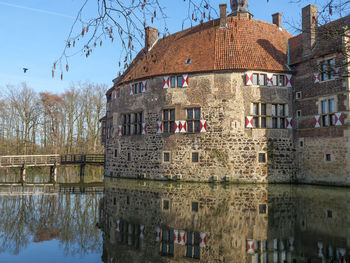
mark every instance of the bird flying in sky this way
{"type": "Point", "coordinates": [25, 70]}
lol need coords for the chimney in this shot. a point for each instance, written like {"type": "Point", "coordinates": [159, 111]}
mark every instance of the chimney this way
{"type": "Point", "coordinates": [277, 19]}
{"type": "Point", "coordinates": [151, 37]}
{"type": "Point", "coordinates": [309, 21]}
{"type": "Point", "coordinates": [223, 17]}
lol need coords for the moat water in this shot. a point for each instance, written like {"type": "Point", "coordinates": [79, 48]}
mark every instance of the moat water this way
{"type": "Point", "coordinates": [144, 221]}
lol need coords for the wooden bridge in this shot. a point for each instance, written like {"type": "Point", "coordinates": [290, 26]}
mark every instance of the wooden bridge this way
{"type": "Point", "coordinates": [52, 161]}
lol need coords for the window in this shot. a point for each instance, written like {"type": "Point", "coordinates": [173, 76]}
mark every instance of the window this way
{"type": "Point", "coordinates": [137, 87]}
{"type": "Point", "coordinates": [255, 79]}
{"type": "Point", "coordinates": [195, 157]}
{"type": "Point", "coordinates": [328, 157]}
{"type": "Point", "coordinates": [274, 80]}
{"type": "Point", "coordinates": [277, 117]}
{"type": "Point", "coordinates": [167, 242]}
{"type": "Point", "coordinates": [179, 81]}
{"type": "Point", "coordinates": [262, 157]}
{"type": "Point", "coordinates": [282, 80]}
{"type": "Point", "coordinates": [132, 123]}
{"type": "Point", "coordinates": [188, 61]}
{"type": "Point", "coordinates": [169, 121]}
{"type": "Point", "coordinates": [327, 69]}
{"type": "Point", "coordinates": [298, 95]}
{"type": "Point", "coordinates": [262, 79]}
{"type": "Point", "coordinates": [192, 245]}
{"type": "Point", "coordinates": [115, 153]}
{"type": "Point", "coordinates": [262, 208]}
{"type": "Point", "coordinates": [172, 82]}
{"type": "Point", "coordinates": [329, 214]}
{"type": "Point", "coordinates": [176, 81]}
{"type": "Point", "coordinates": [195, 207]}
{"type": "Point", "coordinates": [193, 120]}
{"type": "Point", "coordinates": [166, 204]}
{"type": "Point", "coordinates": [114, 201]}
{"type": "Point", "coordinates": [298, 113]}
{"type": "Point", "coordinates": [129, 157]}
{"type": "Point", "coordinates": [328, 112]}
{"type": "Point", "coordinates": [166, 157]}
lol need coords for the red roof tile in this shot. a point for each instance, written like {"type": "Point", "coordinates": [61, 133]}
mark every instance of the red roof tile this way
{"type": "Point", "coordinates": [244, 45]}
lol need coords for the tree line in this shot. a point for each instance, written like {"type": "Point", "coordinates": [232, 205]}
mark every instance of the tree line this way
{"type": "Point", "coordinates": [47, 123]}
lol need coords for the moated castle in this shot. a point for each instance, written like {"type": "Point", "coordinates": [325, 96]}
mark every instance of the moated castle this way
{"type": "Point", "coordinates": [234, 99]}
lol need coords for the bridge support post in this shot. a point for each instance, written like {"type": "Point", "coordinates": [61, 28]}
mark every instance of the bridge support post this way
{"type": "Point", "coordinates": [53, 174]}
{"type": "Point", "coordinates": [82, 171]}
{"type": "Point", "coordinates": [23, 175]}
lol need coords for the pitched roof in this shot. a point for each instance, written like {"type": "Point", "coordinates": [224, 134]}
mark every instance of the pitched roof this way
{"type": "Point", "coordinates": [329, 40]}
{"type": "Point", "coordinates": [246, 44]}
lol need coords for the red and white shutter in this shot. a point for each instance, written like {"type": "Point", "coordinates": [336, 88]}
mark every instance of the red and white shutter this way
{"type": "Point", "coordinates": [117, 226]}
{"type": "Point", "coordinates": [143, 127]}
{"type": "Point", "coordinates": [203, 240]}
{"type": "Point", "coordinates": [131, 89]}
{"type": "Point", "coordinates": [289, 123]}
{"type": "Point", "coordinates": [249, 78]}
{"type": "Point", "coordinates": [166, 82]}
{"type": "Point", "coordinates": [142, 231]}
{"type": "Point", "coordinates": [144, 86]}
{"type": "Point", "coordinates": [159, 127]}
{"type": "Point", "coordinates": [176, 236]}
{"type": "Point", "coordinates": [120, 130]}
{"type": "Point", "coordinates": [250, 247]}
{"type": "Point", "coordinates": [317, 77]}
{"type": "Point", "coordinates": [291, 244]}
{"type": "Point", "coordinates": [289, 81]}
{"type": "Point", "coordinates": [184, 80]}
{"type": "Point", "coordinates": [249, 122]}
{"type": "Point", "coordinates": [182, 237]}
{"type": "Point", "coordinates": [320, 249]}
{"type": "Point", "coordinates": [177, 126]}
{"type": "Point", "coordinates": [317, 121]}
{"type": "Point", "coordinates": [342, 253]}
{"type": "Point", "coordinates": [203, 126]}
{"type": "Point", "coordinates": [183, 126]}
{"type": "Point", "coordinates": [158, 234]}
{"type": "Point", "coordinates": [269, 79]}
{"type": "Point", "coordinates": [339, 120]}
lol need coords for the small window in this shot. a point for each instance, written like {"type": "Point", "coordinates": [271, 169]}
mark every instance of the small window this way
{"type": "Point", "coordinates": [274, 80]}
{"type": "Point", "coordinates": [301, 143]}
{"type": "Point", "coordinates": [179, 81]}
{"type": "Point", "coordinates": [128, 200]}
{"type": "Point", "coordinates": [166, 157]}
{"type": "Point", "coordinates": [255, 79]}
{"type": "Point", "coordinates": [329, 214]}
{"type": "Point", "coordinates": [262, 157]}
{"type": "Point", "coordinates": [263, 109]}
{"type": "Point", "coordinates": [262, 209]}
{"type": "Point", "coordinates": [115, 153]}
{"type": "Point", "coordinates": [114, 201]}
{"type": "Point", "coordinates": [298, 113]}
{"type": "Point", "coordinates": [188, 61]}
{"type": "Point", "coordinates": [328, 157]}
{"type": "Point", "coordinates": [256, 108]}
{"type": "Point", "coordinates": [298, 95]}
{"type": "Point", "coordinates": [129, 157]}
{"type": "Point", "coordinates": [169, 120]}
{"type": "Point", "coordinates": [193, 120]}
{"type": "Point", "coordinates": [195, 157]}
{"type": "Point", "coordinates": [282, 81]}
{"type": "Point", "coordinates": [166, 204]}
{"type": "Point", "coordinates": [195, 206]}
{"type": "Point", "coordinates": [262, 79]}
{"type": "Point", "coordinates": [274, 123]}
{"type": "Point", "coordinates": [172, 82]}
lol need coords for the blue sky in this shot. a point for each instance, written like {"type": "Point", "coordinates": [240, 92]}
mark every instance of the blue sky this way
{"type": "Point", "coordinates": [33, 34]}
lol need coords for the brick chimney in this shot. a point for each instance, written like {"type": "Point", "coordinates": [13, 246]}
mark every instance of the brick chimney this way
{"type": "Point", "coordinates": [277, 19]}
{"type": "Point", "coordinates": [223, 17]}
{"type": "Point", "coordinates": [151, 37]}
{"type": "Point", "coordinates": [309, 21]}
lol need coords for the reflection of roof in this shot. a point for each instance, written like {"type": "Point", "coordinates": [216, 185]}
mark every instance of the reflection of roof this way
{"type": "Point", "coordinates": [45, 234]}
{"type": "Point", "coordinates": [329, 38]}
{"type": "Point", "coordinates": [244, 45]}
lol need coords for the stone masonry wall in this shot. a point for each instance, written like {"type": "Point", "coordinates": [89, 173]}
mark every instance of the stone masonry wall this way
{"type": "Point", "coordinates": [227, 149]}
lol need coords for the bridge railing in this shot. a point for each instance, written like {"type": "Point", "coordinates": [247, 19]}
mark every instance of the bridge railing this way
{"type": "Point", "coordinates": [82, 158]}
{"type": "Point", "coordinates": [33, 160]}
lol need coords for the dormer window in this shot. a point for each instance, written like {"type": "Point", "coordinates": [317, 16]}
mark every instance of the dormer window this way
{"type": "Point", "coordinates": [188, 61]}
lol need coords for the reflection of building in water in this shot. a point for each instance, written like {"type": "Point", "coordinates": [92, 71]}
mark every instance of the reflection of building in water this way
{"type": "Point", "coordinates": [157, 222]}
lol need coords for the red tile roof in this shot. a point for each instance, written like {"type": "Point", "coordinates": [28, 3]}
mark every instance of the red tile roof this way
{"type": "Point", "coordinates": [244, 45]}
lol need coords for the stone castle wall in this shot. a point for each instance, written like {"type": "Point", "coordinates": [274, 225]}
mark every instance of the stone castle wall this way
{"type": "Point", "coordinates": [226, 150]}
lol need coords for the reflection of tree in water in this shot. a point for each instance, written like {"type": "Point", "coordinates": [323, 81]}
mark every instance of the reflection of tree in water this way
{"type": "Point", "coordinates": [71, 219]}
